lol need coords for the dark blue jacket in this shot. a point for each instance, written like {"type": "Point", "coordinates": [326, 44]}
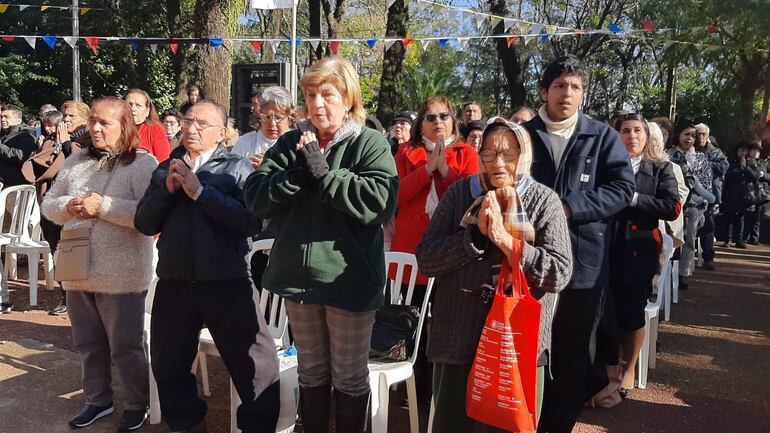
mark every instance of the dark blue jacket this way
{"type": "Point", "coordinates": [203, 240]}
{"type": "Point", "coordinates": [596, 181]}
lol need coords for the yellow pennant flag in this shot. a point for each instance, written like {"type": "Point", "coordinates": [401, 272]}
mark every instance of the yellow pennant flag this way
{"type": "Point", "coordinates": [43, 8]}
{"type": "Point", "coordinates": [84, 11]}
{"type": "Point", "coordinates": [3, 8]}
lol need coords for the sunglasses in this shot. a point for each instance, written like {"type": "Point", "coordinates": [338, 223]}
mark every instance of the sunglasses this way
{"type": "Point", "coordinates": [432, 117]}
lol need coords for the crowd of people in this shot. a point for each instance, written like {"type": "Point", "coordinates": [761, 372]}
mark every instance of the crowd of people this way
{"type": "Point", "coordinates": [579, 205]}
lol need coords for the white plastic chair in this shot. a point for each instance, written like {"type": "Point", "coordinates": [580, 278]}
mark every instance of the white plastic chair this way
{"type": "Point", "coordinates": [648, 352]}
{"type": "Point", "coordinates": [25, 215]}
{"type": "Point", "coordinates": [384, 374]}
{"type": "Point", "coordinates": [155, 415]}
{"type": "Point", "coordinates": [675, 281]}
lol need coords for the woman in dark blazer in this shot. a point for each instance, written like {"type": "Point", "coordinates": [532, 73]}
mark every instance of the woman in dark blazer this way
{"type": "Point", "coordinates": [638, 240]}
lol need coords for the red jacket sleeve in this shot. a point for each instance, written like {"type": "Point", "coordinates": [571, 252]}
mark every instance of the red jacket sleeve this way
{"type": "Point", "coordinates": [464, 164]}
{"type": "Point", "coordinates": [412, 178]}
{"type": "Point", "coordinates": [159, 146]}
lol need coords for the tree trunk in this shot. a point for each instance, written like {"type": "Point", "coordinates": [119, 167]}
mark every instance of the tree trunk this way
{"type": "Point", "coordinates": [314, 17]}
{"type": "Point", "coordinates": [214, 65]}
{"type": "Point", "coordinates": [766, 97]}
{"type": "Point", "coordinates": [512, 66]}
{"type": "Point", "coordinates": [393, 62]}
{"type": "Point", "coordinates": [748, 82]}
{"type": "Point", "coordinates": [174, 20]}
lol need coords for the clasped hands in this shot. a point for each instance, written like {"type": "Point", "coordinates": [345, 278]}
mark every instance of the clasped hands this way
{"type": "Point", "coordinates": [181, 176]}
{"type": "Point", "coordinates": [85, 206]}
{"type": "Point", "coordinates": [490, 221]}
{"type": "Point", "coordinates": [437, 158]}
{"type": "Point", "coordinates": [311, 165]}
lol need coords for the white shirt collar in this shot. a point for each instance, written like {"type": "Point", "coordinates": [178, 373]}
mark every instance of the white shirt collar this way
{"type": "Point", "coordinates": [197, 163]}
{"type": "Point", "coordinates": [636, 162]}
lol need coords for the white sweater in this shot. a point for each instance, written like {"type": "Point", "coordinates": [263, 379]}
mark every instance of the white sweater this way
{"type": "Point", "coordinates": [120, 258]}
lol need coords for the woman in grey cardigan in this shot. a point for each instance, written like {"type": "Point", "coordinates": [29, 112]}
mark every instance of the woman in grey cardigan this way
{"type": "Point", "coordinates": [470, 235]}
{"type": "Point", "coordinates": [98, 189]}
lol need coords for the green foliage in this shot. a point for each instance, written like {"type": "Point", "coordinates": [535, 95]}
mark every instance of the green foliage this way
{"type": "Point", "coordinates": [18, 72]}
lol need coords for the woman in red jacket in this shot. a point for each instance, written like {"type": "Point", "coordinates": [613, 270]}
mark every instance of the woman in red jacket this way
{"type": "Point", "coordinates": [151, 133]}
{"type": "Point", "coordinates": [427, 165]}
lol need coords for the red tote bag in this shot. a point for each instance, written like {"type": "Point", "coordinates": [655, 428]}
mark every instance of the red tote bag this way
{"type": "Point", "coordinates": [502, 385]}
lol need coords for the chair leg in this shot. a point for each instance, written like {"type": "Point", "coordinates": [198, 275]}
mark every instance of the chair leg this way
{"type": "Point", "coordinates": [235, 401]}
{"type": "Point", "coordinates": [380, 415]}
{"type": "Point", "coordinates": [204, 373]}
{"type": "Point", "coordinates": [675, 282]}
{"type": "Point", "coordinates": [48, 268]}
{"type": "Point", "coordinates": [644, 356]}
{"type": "Point", "coordinates": [32, 265]}
{"type": "Point", "coordinates": [12, 266]}
{"type": "Point", "coordinates": [653, 350]}
{"type": "Point", "coordinates": [431, 414]}
{"type": "Point", "coordinates": [411, 393]}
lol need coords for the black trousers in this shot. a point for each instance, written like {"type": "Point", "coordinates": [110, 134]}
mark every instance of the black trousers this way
{"type": "Point", "coordinates": [52, 235]}
{"type": "Point", "coordinates": [706, 235]}
{"type": "Point", "coordinates": [752, 225]}
{"type": "Point", "coordinates": [572, 342]}
{"type": "Point", "coordinates": [180, 309]}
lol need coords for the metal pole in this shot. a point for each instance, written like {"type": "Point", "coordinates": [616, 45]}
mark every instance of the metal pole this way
{"type": "Point", "coordinates": [75, 51]}
{"type": "Point", "coordinates": [294, 50]}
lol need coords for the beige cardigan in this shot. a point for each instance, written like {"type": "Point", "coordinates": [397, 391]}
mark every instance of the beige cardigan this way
{"type": "Point", "coordinates": [120, 256]}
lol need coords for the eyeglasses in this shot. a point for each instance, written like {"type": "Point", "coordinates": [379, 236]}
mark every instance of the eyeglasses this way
{"type": "Point", "coordinates": [200, 126]}
{"type": "Point", "coordinates": [271, 118]}
{"type": "Point", "coordinates": [508, 155]}
{"type": "Point", "coordinates": [432, 117]}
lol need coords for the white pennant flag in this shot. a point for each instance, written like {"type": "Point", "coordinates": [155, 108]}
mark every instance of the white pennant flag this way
{"type": "Point", "coordinates": [273, 4]}
{"type": "Point", "coordinates": [154, 48]}
{"type": "Point", "coordinates": [480, 19]}
{"type": "Point", "coordinates": [463, 42]}
{"type": "Point", "coordinates": [507, 23]}
{"type": "Point", "coordinates": [421, 5]}
{"type": "Point", "coordinates": [425, 44]}
{"type": "Point", "coordinates": [70, 40]}
{"type": "Point", "coordinates": [388, 44]}
{"type": "Point", "coordinates": [22, 7]}
{"type": "Point", "coordinates": [314, 43]}
{"type": "Point", "coordinates": [390, 3]}
{"type": "Point", "coordinates": [274, 45]}
{"type": "Point", "coordinates": [536, 29]}
{"type": "Point", "coordinates": [193, 45]}
{"type": "Point", "coordinates": [31, 40]}
{"type": "Point", "coordinates": [237, 45]}
{"type": "Point", "coordinates": [528, 39]}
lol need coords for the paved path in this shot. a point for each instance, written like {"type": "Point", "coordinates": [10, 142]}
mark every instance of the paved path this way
{"type": "Point", "coordinates": [712, 375]}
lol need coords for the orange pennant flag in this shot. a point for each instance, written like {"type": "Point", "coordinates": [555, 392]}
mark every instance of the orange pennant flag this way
{"type": "Point", "coordinates": [256, 45]}
{"type": "Point", "coordinates": [334, 46]}
{"type": "Point", "coordinates": [3, 8]}
{"type": "Point", "coordinates": [93, 42]}
{"type": "Point", "coordinates": [406, 41]}
{"type": "Point", "coordinates": [43, 8]}
{"type": "Point", "coordinates": [510, 40]}
{"type": "Point", "coordinates": [84, 11]}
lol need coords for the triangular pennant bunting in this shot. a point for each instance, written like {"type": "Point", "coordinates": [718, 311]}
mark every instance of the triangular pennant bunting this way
{"type": "Point", "coordinates": [3, 8]}
{"type": "Point", "coordinates": [614, 28]}
{"type": "Point", "coordinates": [524, 28]}
{"type": "Point", "coordinates": [425, 44]}
{"type": "Point", "coordinates": [70, 40]}
{"type": "Point", "coordinates": [494, 21]}
{"type": "Point", "coordinates": [535, 29]}
{"type": "Point", "coordinates": [31, 40]}
{"type": "Point", "coordinates": [510, 40]}
{"type": "Point", "coordinates": [256, 45]}
{"type": "Point", "coordinates": [314, 43]}
{"type": "Point", "coordinates": [462, 42]}
{"type": "Point", "coordinates": [442, 42]}
{"type": "Point", "coordinates": [544, 37]}
{"type": "Point", "coordinates": [480, 20]}
{"type": "Point", "coordinates": [22, 7]}
{"type": "Point", "coordinates": [421, 5]}
{"type": "Point", "coordinates": [154, 48]}
{"type": "Point", "coordinates": [274, 45]}
{"type": "Point", "coordinates": [390, 3]}
{"type": "Point", "coordinates": [334, 46]}
{"type": "Point", "coordinates": [84, 11]}
{"type": "Point", "coordinates": [135, 47]}
{"type": "Point", "coordinates": [406, 41]}
{"type": "Point", "coordinates": [93, 42]}
{"type": "Point", "coordinates": [8, 38]}
{"type": "Point", "coordinates": [648, 25]}
{"type": "Point", "coordinates": [44, 8]}
{"type": "Point", "coordinates": [550, 29]}
{"type": "Point", "coordinates": [215, 42]}
{"type": "Point", "coordinates": [174, 48]}
{"type": "Point", "coordinates": [507, 24]}
{"type": "Point", "coordinates": [388, 44]}
{"type": "Point", "coordinates": [712, 29]}
{"type": "Point", "coordinates": [371, 43]}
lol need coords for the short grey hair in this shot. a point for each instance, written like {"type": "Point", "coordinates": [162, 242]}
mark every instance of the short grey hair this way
{"type": "Point", "coordinates": [703, 127]}
{"type": "Point", "coordinates": [45, 108]}
{"type": "Point", "coordinates": [276, 95]}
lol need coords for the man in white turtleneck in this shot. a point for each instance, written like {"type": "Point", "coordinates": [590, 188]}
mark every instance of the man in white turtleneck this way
{"type": "Point", "coordinates": [587, 165]}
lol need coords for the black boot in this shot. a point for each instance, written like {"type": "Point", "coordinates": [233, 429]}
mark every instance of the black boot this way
{"type": "Point", "coordinates": [314, 409]}
{"type": "Point", "coordinates": [351, 412]}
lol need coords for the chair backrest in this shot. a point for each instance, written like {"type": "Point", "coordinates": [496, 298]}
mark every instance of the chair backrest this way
{"type": "Point", "coordinates": [423, 313]}
{"type": "Point", "coordinates": [666, 251]}
{"type": "Point", "coordinates": [24, 204]}
{"type": "Point", "coordinates": [401, 261]}
{"type": "Point", "coordinates": [154, 282]}
{"type": "Point", "coordinates": [272, 305]}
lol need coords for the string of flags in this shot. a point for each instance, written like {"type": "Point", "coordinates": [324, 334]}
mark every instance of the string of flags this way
{"type": "Point", "coordinates": [136, 43]}
{"type": "Point", "coordinates": [43, 8]}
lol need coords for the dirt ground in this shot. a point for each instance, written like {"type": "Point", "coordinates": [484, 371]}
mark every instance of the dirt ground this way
{"type": "Point", "coordinates": [712, 375]}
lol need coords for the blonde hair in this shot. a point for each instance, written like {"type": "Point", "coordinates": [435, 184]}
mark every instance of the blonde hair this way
{"type": "Point", "coordinates": [79, 107]}
{"type": "Point", "coordinates": [655, 150]}
{"type": "Point", "coordinates": [341, 74]}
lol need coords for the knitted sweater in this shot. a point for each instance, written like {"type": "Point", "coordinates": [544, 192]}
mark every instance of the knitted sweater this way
{"type": "Point", "coordinates": [447, 253]}
{"type": "Point", "coordinates": [120, 259]}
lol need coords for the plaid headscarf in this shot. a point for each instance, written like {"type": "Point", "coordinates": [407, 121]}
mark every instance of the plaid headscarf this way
{"type": "Point", "coordinates": [515, 217]}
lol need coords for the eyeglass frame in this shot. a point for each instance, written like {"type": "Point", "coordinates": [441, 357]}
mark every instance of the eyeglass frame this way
{"type": "Point", "coordinates": [186, 123]}
{"type": "Point", "coordinates": [432, 117]}
{"type": "Point", "coordinates": [499, 153]}
{"type": "Point", "coordinates": [267, 119]}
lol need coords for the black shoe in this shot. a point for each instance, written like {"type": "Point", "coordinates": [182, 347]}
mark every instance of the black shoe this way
{"type": "Point", "coordinates": [90, 414]}
{"type": "Point", "coordinates": [59, 309]}
{"type": "Point", "coordinates": [741, 245]}
{"type": "Point", "coordinates": [314, 408]}
{"type": "Point", "coordinates": [132, 420]}
{"type": "Point", "coordinates": [351, 412]}
{"type": "Point", "coordinates": [753, 242]}
{"type": "Point", "coordinates": [6, 307]}
{"type": "Point", "coordinates": [709, 266]}
{"type": "Point", "coordinates": [726, 244]}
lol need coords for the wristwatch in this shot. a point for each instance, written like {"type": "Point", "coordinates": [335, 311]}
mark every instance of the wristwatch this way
{"type": "Point", "coordinates": [197, 193]}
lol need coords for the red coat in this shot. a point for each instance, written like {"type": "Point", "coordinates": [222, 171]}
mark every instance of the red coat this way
{"type": "Point", "coordinates": [153, 139]}
{"type": "Point", "coordinates": [411, 219]}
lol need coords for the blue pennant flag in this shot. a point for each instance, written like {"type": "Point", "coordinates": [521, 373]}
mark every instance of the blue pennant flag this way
{"type": "Point", "coordinates": [297, 41]}
{"type": "Point", "coordinates": [442, 42]}
{"type": "Point", "coordinates": [614, 27]}
{"type": "Point", "coordinates": [215, 42]}
{"type": "Point", "coordinates": [50, 41]}
{"type": "Point", "coordinates": [544, 37]}
{"type": "Point", "coordinates": [135, 46]}
{"type": "Point", "coordinates": [371, 43]}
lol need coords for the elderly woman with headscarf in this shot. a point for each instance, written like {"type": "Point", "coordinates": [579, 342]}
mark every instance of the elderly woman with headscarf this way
{"type": "Point", "coordinates": [476, 227]}
{"type": "Point", "coordinates": [333, 183]}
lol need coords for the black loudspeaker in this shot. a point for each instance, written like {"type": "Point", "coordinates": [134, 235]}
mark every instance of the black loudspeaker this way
{"type": "Point", "coordinates": [247, 80]}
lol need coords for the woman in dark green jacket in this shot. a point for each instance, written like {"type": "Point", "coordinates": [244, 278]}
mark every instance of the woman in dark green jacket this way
{"type": "Point", "coordinates": [332, 183]}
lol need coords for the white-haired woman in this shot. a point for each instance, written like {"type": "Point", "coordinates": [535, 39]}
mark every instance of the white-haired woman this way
{"type": "Point", "coordinates": [275, 116]}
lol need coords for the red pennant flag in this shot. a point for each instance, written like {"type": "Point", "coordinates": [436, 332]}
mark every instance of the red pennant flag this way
{"type": "Point", "coordinates": [174, 48]}
{"type": "Point", "coordinates": [406, 41]}
{"type": "Point", "coordinates": [334, 46]}
{"type": "Point", "coordinates": [510, 40]}
{"type": "Point", "coordinates": [648, 25]}
{"type": "Point", "coordinates": [8, 38]}
{"type": "Point", "coordinates": [256, 45]}
{"type": "Point", "coordinates": [712, 29]}
{"type": "Point", "coordinates": [93, 42]}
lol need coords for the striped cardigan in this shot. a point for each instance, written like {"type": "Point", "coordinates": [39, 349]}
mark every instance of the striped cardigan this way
{"type": "Point", "coordinates": [447, 253]}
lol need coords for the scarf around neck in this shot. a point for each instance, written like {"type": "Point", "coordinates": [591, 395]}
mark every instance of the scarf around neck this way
{"type": "Point", "coordinates": [429, 145]}
{"type": "Point", "coordinates": [563, 128]}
